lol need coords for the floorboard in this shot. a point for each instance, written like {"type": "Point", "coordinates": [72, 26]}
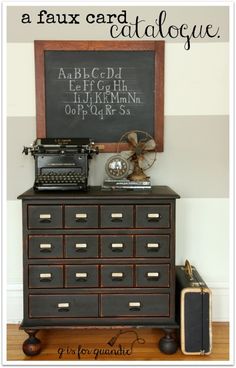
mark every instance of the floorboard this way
{"type": "Point", "coordinates": [93, 344]}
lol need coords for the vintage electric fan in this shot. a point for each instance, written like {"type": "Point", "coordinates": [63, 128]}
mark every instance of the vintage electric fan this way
{"type": "Point", "coordinates": [141, 153]}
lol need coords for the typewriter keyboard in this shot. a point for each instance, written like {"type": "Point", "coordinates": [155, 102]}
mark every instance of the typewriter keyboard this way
{"type": "Point", "coordinates": [68, 178]}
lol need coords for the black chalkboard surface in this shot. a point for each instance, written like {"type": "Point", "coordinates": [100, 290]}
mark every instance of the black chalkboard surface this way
{"type": "Point", "coordinates": [99, 90]}
{"type": "Point", "coordinates": [99, 93]}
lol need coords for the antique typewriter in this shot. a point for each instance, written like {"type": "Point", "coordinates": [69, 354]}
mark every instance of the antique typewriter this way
{"type": "Point", "coordinates": [61, 164]}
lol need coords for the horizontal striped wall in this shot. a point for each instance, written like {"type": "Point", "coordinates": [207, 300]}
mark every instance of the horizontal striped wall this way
{"type": "Point", "coordinates": [196, 121]}
{"type": "Point", "coordinates": [195, 161]}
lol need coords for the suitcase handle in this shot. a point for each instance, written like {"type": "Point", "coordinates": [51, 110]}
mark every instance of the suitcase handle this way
{"type": "Point", "coordinates": [188, 269]}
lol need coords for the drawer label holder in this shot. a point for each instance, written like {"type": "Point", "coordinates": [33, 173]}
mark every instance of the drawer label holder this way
{"type": "Point", "coordinates": [81, 217]}
{"type": "Point", "coordinates": [152, 275]}
{"type": "Point", "coordinates": [117, 247]}
{"type": "Point", "coordinates": [117, 276]}
{"type": "Point", "coordinates": [134, 306]}
{"type": "Point", "coordinates": [116, 217]}
{"type": "Point", "coordinates": [153, 217]}
{"type": "Point", "coordinates": [45, 247]}
{"type": "Point", "coordinates": [45, 217]}
{"type": "Point", "coordinates": [45, 277]}
{"type": "Point", "coordinates": [81, 276]}
{"type": "Point", "coordinates": [152, 246]}
{"type": "Point", "coordinates": [81, 247]}
{"type": "Point", "coordinates": [63, 307]}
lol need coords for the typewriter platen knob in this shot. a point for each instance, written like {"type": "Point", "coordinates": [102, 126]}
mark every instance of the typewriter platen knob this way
{"type": "Point", "coordinates": [25, 150]}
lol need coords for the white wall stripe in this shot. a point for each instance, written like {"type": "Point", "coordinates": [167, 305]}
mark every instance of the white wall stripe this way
{"type": "Point", "coordinates": [194, 163]}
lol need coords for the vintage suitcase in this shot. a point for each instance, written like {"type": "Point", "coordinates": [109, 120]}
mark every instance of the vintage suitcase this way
{"type": "Point", "coordinates": [194, 311]}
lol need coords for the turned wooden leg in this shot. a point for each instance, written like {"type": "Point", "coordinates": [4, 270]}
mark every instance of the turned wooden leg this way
{"type": "Point", "coordinates": [32, 345]}
{"type": "Point", "coordinates": [168, 343]}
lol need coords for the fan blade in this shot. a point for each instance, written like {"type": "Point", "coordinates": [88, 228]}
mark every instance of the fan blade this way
{"type": "Point", "coordinates": [146, 162]}
{"type": "Point", "coordinates": [141, 158]}
{"type": "Point", "coordinates": [127, 154]}
{"type": "Point", "coordinates": [150, 145]}
{"type": "Point", "coordinates": [132, 138]}
{"type": "Point", "coordinates": [143, 162]}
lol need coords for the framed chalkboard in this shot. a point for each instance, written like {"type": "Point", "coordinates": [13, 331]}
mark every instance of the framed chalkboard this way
{"type": "Point", "coordinates": [99, 90]}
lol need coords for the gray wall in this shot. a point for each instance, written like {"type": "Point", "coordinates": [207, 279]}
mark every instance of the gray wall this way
{"type": "Point", "coordinates": [195, 161]}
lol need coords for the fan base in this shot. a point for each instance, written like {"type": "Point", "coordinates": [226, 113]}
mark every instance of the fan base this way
{"type": "Point", "coordinates": [138, 176]}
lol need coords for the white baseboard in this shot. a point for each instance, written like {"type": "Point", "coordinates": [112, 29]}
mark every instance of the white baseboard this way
{"type": "Point", "coordinates": [14, 303]}
{"type": "Point", "coordinates": [220, 302]}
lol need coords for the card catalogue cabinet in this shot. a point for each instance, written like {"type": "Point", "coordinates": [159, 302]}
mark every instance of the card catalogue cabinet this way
{"type": "Point", "coordinates": [99, 259]}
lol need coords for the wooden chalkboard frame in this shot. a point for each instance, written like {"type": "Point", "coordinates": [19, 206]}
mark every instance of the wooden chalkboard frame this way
{"type": "Point", "coordinates": [156, 46]}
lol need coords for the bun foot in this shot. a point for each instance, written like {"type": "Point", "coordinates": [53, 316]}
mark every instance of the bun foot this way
{"type": "Point", "coordinates": [32, 345]}
{"type": "Point", "coordinates": [168, 343]}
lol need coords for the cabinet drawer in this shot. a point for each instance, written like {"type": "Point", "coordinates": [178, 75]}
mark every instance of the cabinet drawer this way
{"type": "Point", "coordinates": [116, 216]}
{"type": "Point", "coordinates": [63, 306]}
{"type": "Point", "coordinates": [120, 305]}
{"type": "Point", "coordinates": [117, 276]}
{"type": "Point", "coordinates": [152, 246]}
{"type": "Point", "coordinates": [77, 246]}
{"type": "Point", "coordinates": [44, 217]}
{"type": "Point", "coordinates": [45, 246]}
{"type": "Point", "coordinates": [44, 276]}
{"type": "Point", "coordinates": [153, 216]}
{"type": "Point", "coordinates": [152, 276]}
{"type": "Point", "coordinates": [116, 246]}
{"type": "Point", "coordinates": [81, 276]}
{"type": "Point", "coordinates": [81, 217]}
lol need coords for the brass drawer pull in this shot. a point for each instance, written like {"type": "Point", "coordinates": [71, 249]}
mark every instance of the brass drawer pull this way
{"type": "Point", "coordinates": [81, 276]}
{"type": "Point", "coordinates": [152, 275]}
{"type": "Point", "coordinates": [45, 247]}
{"type": "Point", "coordinates": [81, 217]}
{"type": "Point", "coordinates": [153, 217]}
{"type": "Point", "coordinates": [152, 246]}
{"type": "Point", "coordinates": [134, 305]}
{"type": "Point", "coordinates": [116, 217]}
{"type": "Point", "coordinates": [63, 307]}
{"type": "Point", "coordinates": [45, 217]}
{"type": "Point", "coordinates": [117, 276]}
{"type": "Point", "coordinates": [81, 247]}
{"type": "Point", "coordinates": [44, 277]}
{"type": "Point", "coordinates": [117, 247]}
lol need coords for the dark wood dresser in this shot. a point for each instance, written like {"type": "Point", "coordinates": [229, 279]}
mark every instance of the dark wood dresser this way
{"type": "Point", "coordinates": [99, 259]}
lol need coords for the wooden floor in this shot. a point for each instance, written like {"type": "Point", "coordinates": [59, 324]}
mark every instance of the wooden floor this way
{"type": "Point", "coordinates": [108, 344]}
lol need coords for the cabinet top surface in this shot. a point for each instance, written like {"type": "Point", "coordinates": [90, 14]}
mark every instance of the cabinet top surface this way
{"type": "Point", "coordinates": [96, 193]}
